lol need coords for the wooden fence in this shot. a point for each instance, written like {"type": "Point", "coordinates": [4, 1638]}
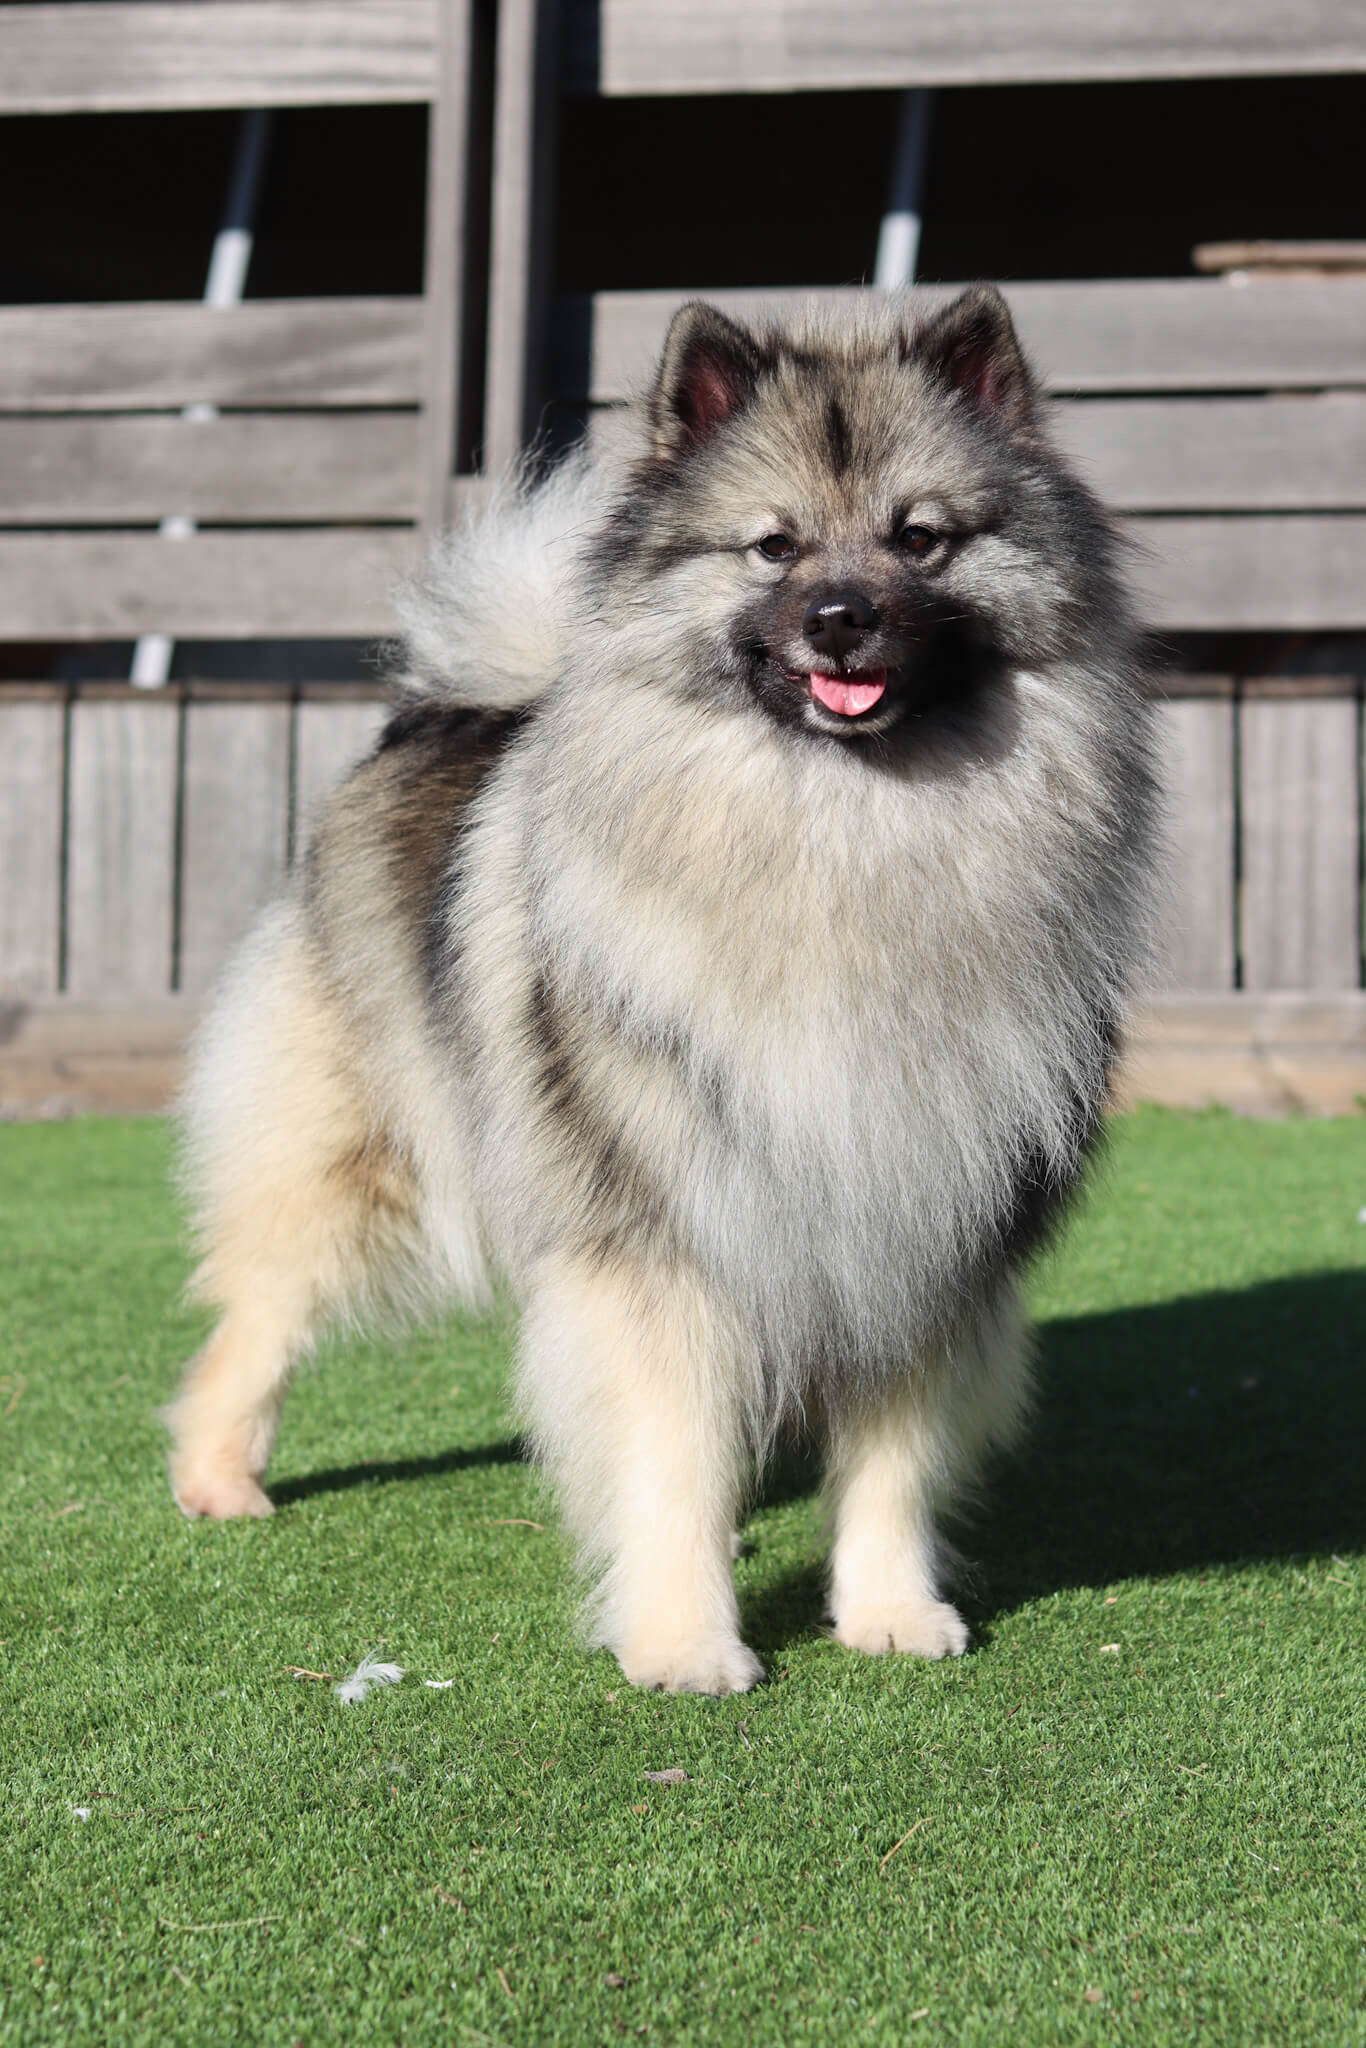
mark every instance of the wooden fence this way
{"type": "Point", "coordinates": [141, 831]}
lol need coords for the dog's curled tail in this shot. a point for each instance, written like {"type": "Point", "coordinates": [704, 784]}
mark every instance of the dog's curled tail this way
{"type": "Point", "coordinates": [486, 619]}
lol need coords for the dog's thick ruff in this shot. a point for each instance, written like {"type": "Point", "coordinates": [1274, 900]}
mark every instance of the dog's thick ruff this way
{"type": "Point", "coordinates": [725, 945]}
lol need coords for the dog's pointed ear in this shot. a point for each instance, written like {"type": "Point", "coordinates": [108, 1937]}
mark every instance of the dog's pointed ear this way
{"type": "Point", "coordinates": [708, 370]}
{"type": "Point", "coordinates": [972, 347]}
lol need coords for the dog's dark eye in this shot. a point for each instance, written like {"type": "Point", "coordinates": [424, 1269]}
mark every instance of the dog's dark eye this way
{"type": "Point", "coordinates": [918, 540]}
{"type": "Point", "coordinates": [777, 547]}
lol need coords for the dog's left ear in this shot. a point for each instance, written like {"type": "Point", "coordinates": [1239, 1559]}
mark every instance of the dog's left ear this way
{"type": "Point", "coordinates": [709, 369]}
{"type": "Point", "coordinates": [973, 348]}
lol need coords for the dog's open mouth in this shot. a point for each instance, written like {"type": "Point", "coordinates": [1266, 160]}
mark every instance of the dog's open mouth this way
{"type": "Point", "coordinates": [847, 696]}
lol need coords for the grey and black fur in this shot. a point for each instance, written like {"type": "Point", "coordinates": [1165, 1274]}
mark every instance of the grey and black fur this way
{"type": "Point", "coordinates": [725, 945]}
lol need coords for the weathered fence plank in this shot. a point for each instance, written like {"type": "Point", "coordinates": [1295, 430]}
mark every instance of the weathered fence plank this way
{"type": "Point", "coordinates": [121, 845]}
{"type": "Point", "coordinates": [1300, 913]}
{"type": "Point", "coordinates": [1262, 573]}
{"type": "Point", "coordinates": [236, 824]}
{"type": "Point", "coordinates": [265, 352]}
{"type": "Point", "coordinates": [318, 583]}
{"type": "Point", "coordinates": [329, 737]}
{"type": "Point", "coordinates": [1196, 754]}
{"type": "Point", "coordinates": [31, 747]}
{"type": "Point", "coordinates": [75, 57]}
{"type": "Point", "coordinates": [653, 46]}
{"type": "Point", "coordinates": [1163, 334]}
{"type": "Point", "coordinates": [240, 467]}
{"type": "Point", "coordinates": [1216, 454]}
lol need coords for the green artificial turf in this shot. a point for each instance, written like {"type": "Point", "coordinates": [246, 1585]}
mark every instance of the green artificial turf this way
{"type": "Point", "coordinates": [1135, 1811]}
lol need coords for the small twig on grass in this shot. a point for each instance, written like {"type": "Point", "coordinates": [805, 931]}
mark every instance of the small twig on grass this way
{"type": "Point", "coordinates": [213, 1926]}
{"type": "Point", "coordinates": [744, 1737]}
{"type": "Point", "coordinates": [904, 1839]}
{"type": "Point", "coordinates": [502, 1976]}
{"type": "Point", "coordinates": [511, 1522]}
{"type": "Point", "coordinates": [450, 1899]}
{"type": "Point", "coordinates": [298, 1671]}
{"type": "Point", "coordinates": [14, 1384]}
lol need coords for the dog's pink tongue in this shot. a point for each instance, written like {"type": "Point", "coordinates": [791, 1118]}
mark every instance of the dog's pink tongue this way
{"type": "Point", "coordinates": [848, 698]}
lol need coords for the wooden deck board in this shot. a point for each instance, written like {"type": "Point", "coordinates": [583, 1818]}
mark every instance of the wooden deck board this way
{"type": "Point", "coordinates": [139, 55]}
{"type": "Point", "coordinates": [149, 356]}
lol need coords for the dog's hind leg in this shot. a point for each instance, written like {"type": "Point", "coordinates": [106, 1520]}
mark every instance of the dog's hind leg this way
{"type": "Point", "coordinates": [897, 1457]}
{"type": "Point", "coordinates": [304, 1211]}
{"type": "Point", "coordinates": [633, 1385]}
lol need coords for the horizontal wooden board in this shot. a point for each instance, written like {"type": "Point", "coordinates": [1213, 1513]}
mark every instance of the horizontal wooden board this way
{"type": "Point", "coordinates": [1219, 454]}
{"type": "Point", "coordinates": [1163, 334]}
{"type": "Point", "coordinates": [77, 57]}
{"type": "Point", "coordinates": [329, 584]}
{"type": "Point", "coordinates": [267, 352]}
{"type": "Point", "coordinates": [1262, 573]}
{"type": "Point", "coordinates": [82, 471]}
{"type": "Point", "coordinates": [655, 46]}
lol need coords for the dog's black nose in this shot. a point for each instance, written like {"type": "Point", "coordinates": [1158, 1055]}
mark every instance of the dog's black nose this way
{"type": "Point", "coordinates": [835, 625]}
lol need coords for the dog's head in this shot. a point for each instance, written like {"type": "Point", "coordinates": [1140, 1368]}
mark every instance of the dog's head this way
{"type": "Point", "coordinates": [850, 522]}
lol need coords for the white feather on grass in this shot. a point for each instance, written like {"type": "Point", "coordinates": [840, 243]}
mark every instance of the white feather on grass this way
{"type": "Point", "coordinates": [367, 1673]}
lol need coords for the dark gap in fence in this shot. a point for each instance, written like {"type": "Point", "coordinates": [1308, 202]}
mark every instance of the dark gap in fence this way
{"type": "Point", "coordinates": [469, 424]}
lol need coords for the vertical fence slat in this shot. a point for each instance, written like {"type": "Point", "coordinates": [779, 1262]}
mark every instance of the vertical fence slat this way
{"type": "Point", "coordinates": [1195, 742]}
{"type": "Point", "coordinates": [121, 845]}
{"type": "Point", "coordinates": [329, 737]}
{"type": "Point", "coordinates": [1300, 827]}
{"type": "Point", "coordinates": [235, 829]}
{"type": "Point", "coordinates": [31, 741]}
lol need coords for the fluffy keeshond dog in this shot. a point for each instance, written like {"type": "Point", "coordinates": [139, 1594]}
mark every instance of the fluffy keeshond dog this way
{"type": "Point", "coordinates": [723, 948]}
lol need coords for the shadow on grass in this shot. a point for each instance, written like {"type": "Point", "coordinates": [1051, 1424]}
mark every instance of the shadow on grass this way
{"type": "Point", "coordinates": [1219, 1430]}
{"type": "Point", "coordinates": [375, 1472]}
{"type": "Point", "coordinates": [1213, 1431]}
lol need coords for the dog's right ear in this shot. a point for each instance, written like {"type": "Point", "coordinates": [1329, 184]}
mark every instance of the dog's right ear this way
{"type": "Point", "coordinates": [709, 369]}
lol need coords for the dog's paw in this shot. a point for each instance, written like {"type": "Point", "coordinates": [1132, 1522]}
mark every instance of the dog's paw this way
{"type": "Point", "coordinates": [917, 1628]}
{"type": "Point", "coordinates": [711, 1666]}
{"type": "Point", "coordinates": [219, 1496]}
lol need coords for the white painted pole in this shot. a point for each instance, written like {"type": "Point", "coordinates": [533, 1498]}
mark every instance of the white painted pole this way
{"type": "Point", "coordinates": [898, 242]}
{"type": "Point", "coordinates": [224, 286]}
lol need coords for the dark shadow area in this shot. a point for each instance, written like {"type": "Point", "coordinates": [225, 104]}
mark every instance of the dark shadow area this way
{"type": "Point", "coordinates": [1219, 1430]}
{"type": "Point", "coordinates": [774, 1616]}
{"type": "Point", "coordinates": [692, 193]}
{"type": "Point", "coordinates": [509, 1451]}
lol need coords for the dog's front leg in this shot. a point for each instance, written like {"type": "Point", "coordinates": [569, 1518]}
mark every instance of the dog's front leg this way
{"type": "Point", "coordinates": [888, 1460]}
{"type": "Point", "coordinates": [634, 1383]}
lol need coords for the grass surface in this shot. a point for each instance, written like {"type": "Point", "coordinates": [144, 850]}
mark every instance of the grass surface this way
{"type": "Point", "coordinates": [1135, 1811]}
